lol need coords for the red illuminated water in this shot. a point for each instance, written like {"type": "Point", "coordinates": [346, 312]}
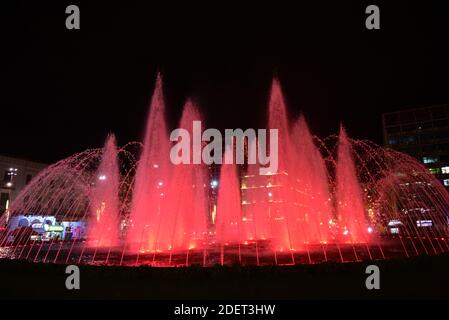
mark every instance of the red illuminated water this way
{"type": "Point", "coordinates": [104, 199]}
{"type": "Point", "coordinates": [229, 223]}
{"type": "Point", "coordinates": [185, 226]}
{"type": "Point", "coordinates": [351, 213]}
{"type": "Point", "coordinates": [336, 199]}
{"type": "Point", "coordinates": [152, 176]}
{"type": "Point", "coordinates": [313, 198]}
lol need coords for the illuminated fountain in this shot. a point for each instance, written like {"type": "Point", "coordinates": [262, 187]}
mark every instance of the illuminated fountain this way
{"type": "Point", "coordinates": [335, 199]}
{"type": "Point", "coordinates": [104, 200]}
{"type": "Point", "coordinates": [229, 224]}
{"type": "Point", "coordinates": [152, 176]}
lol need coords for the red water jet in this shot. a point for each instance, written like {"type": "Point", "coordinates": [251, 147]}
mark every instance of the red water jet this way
{"type": "Point", "coordinates": [104, 199]}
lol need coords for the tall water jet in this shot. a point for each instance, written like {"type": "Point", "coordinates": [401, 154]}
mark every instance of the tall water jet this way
{"type": "Point", "coordinates": [255, 203]}
{"type": "Point", "coordinates": [104, 199]}
{"type": "Point", "coordinates": [278, 119]}
{"type": "Point", "coordinates": [283, 216]}
{"type": "Point", "coordinates": [313, 199]}
{"type": "Point", "coordinates": [152, 175]}
{"type": "Point", "coordinates": [185, 221]}
{"type": "Point", "coordinates": [349, 197]}
{"type": "Point", "coordinates": [228, 225]}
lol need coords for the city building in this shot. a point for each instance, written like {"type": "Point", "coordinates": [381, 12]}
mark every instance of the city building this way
{"type": "Point", "coordinates": [422, 133]}
{"type": "Point", "coordinates": [15, 175]}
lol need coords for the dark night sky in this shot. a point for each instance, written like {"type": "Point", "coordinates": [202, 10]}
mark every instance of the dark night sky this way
{"type": "Point", "coordinates": [62, 91]}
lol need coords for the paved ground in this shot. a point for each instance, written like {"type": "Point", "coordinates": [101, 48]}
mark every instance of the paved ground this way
{"type": "Point", "coordinates": [418, 277]}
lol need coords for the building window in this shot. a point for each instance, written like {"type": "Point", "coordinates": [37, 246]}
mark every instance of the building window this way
{"type": "Point", "coordinates": [9, 174]}
{"type": "Point", "coordinates": [393, 130]}
{"type": "Point", "coordinates": [429, 160]}
{"type": "Point", "coordinates": [440, 124]}
{"type": "Point", "coordinates": [409, 127]}
{"type": "Point", "coordinates": [422, 115]}
{"type": "Point", "coordinates": [409, 139]}
{"type": "Point", "coordinates": [392, 141]}
{"type": "Point", "coordinates": [434, 170]}
{"type": "Point", "coordinates": [4, 197]}
{"type": "Point", "coordinates": [446, 182]}
{"type": "Point", "coordinates": [407, 116]}
{"type": "Point", "coordinates": [7, 177]}
{"type": "Point", "coordinates": [392, 119]}
{"type": "Point", "coordinates": [439, 113]}
{"type": "Point", "coordinates": [445, 170]}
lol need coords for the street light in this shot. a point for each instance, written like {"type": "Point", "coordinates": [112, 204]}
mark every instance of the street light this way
{"type": "Point", "coordinates": [12, 173]}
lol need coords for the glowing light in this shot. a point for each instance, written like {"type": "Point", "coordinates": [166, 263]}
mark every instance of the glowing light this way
{"type": "Point", "coordinates": [214, 183]}
{"type": "Point", "coordinates": [393, 223]}
{"type": "Point", "coordinates": [370, 230]}
{"type": "Point", "coordinates": [214, 214]}
{"type": "Point", "coordinates": [9, 184]}
{"type": "Point", "coordinates": [394, 230]}
{"type": "Point", "coordinates": [102, 177]}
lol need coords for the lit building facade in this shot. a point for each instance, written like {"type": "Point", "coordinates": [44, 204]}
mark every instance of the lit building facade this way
{"type": "Point", "coordinates": [422, 133]}
{"type": "Point", "coordinates": [15, 175]}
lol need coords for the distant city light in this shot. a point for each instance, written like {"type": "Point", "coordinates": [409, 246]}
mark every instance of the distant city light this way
{"type": "Point", "coordinates": [394, 230]}
{"type": "Point", "coordinates": [214, 183]}
{"type": "Point", "coordinates": [9, 184]}
{"type": "Point", "coordinates": [427, 160]}
{"type": "Point", "coordinates": [393, 223]}
{"type": "Point", "coordinates": [155, 166]}
{"type": "Point", "coordinates": [370, 230]}
{"type": "Point", "coordinates": [270, 194]}
{"type": "Point", "coordinates": [160, 183]}
{"type": "Point", "coordinates": [424, 223]}
{"type": "Point", "coordinates": [102, 177]}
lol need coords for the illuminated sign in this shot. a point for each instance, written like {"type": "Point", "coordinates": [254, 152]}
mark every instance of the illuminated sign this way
{"type": "Point", "coordinates": [37, 226]}
{"type": "Point", "coordinates": [394, 230]}
{"type": "Point", "coordinates": [55, 228]}
{"type": "Point", "coordinates": [394, 223]}
{"type": "Point", "coordinates": [424, 223]}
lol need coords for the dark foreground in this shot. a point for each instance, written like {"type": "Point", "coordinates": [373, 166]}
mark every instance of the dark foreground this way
{"type": "Point", "coordinates": [418, 277]}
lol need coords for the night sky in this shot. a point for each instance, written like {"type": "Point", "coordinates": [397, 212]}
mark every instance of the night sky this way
{"type": "Point", "coordinates": [62, 91]}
